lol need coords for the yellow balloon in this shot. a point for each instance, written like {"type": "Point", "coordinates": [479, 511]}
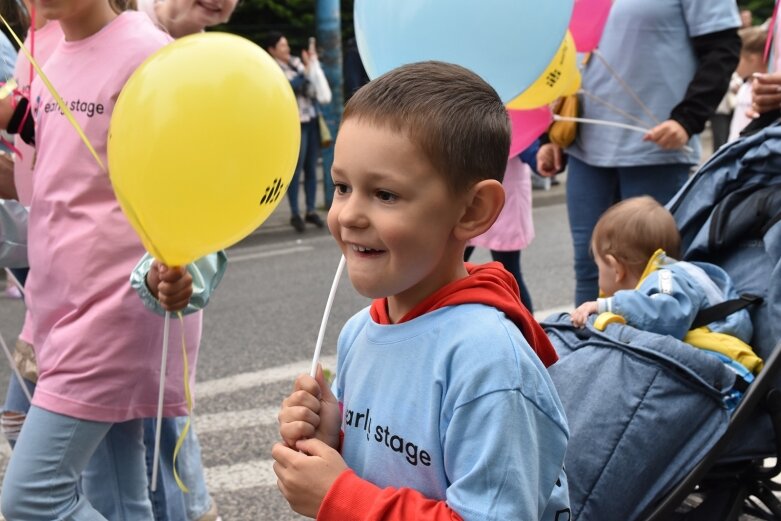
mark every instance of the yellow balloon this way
{"type": "Point", "coordinates": [574, 86]}
{"type": "Point", "coordinates": [554, 81]}
{"type": "Point", "coordinates": [202, 145]}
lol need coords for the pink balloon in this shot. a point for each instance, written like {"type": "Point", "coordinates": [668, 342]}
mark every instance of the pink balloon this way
{"type": "Point", "coordinates": [588, 22]}
{"type": "Point", "coordinates": [528, 125]}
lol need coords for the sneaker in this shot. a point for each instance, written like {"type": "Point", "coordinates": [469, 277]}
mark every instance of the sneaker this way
{"type": "Point", "coordinates": [315, 219]}
{"type": "Point", "coordinates": [298, 223]}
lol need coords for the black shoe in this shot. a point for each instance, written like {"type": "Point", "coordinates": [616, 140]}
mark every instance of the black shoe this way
{"type": "Point", "coordinates": [298, 223]}
{"type": "Point", "coordinates": [314, 219]}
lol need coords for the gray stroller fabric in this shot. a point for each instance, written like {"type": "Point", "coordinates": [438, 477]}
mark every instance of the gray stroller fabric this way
{"type": "Point", "coordinates": [642, 409]}
{"type": "Point", "coordinates": [729, 215]}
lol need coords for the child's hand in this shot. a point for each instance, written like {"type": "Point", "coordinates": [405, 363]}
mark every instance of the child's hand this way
{"type": "Point", "coordinates": [305, 477]}
{"type": "Point", "coordinates": [311, 411]}
{"type": "Point", "coordinates": [580, 315]}
{"type": "Point", "coordinates": [172, 287]}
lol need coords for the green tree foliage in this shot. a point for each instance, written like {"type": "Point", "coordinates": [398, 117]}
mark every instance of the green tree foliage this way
{"type": "Point", "coordinates": [295, 19]}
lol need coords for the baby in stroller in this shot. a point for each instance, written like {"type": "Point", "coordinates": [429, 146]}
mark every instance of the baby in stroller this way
{"type": "Point", "coordinates": [635, 244]}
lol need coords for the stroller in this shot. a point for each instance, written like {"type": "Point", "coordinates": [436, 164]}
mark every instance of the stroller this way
{"type": "Point", "coordinates": [661, 430]}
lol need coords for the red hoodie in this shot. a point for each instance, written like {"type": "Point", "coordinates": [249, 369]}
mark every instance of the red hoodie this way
{"type": "Point", "coordinates": [351, 498]}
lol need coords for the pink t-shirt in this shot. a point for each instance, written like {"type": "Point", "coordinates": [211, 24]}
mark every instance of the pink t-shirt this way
{"type": "Point", "coordinates": [46, 39]}
{"type": "Point", "coordinates": [98, 348]}
{"type": "Point", "coordinates": [514, 228]}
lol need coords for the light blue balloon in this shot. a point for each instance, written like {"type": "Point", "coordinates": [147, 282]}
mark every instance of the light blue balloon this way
{"type": "Point", "coordinates": [509, 43]}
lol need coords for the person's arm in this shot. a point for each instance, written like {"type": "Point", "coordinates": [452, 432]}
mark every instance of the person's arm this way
{"type": "Point", "coordinates": [717, 55]}
{"type": "Point", "coordinates": [580, 316]}
{"type": "Point", "coordinates": [664, 303]}
{"type": "Point", "coordinates": [206, 274]}
{"type": "Point", "coordinates": [13, 234]}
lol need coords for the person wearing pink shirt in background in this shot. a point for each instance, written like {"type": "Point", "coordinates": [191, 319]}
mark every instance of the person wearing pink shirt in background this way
{"type": "Point", "coordinates": [96, 343]}
{"type": "Point", "coordinates": [514, 229]}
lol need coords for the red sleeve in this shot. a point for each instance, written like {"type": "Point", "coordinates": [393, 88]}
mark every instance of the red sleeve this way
{"type": "Point", "coordinates": [351, 498]}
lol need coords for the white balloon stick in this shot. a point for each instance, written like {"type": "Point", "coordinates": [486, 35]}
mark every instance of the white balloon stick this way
{"type": "Point", "coordinates": [326, 313]}
{"type": "Point", "coordinates": [160, 396]}
{"type": "Point", "coordinates": [556, 117]}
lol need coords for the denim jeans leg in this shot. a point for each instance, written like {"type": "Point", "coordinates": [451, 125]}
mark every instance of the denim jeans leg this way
{"type": "Point", "coordinates": [197, 502]}
{"type": "Point", "coordinates": [311, 154]}
{"type": "Point", "coordinates": [41, 479]}
{"type": "Point", "coordinates": [168, 502]}
{"type": "Point", "coordinates": [115, 479]}
{"type": "Point", "coordinates": [16, 403]}
{"type": "Point", "coordinates": [661, 182]}
{"type": "Point", "coordinates": [590, 191]}
{"type": "Point", "coordinates": [511, 260]}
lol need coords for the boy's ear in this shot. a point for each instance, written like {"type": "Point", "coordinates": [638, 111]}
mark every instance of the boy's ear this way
{"type": "Point", "coordinates": [618, 267]}
{"type": "Point", "coordinates": [483, 204]}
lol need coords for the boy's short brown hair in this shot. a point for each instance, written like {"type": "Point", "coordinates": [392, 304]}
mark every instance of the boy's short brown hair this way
{"type": "Point", "coordinates": [453, 115]}
{"type": "Point", "coordinates": [632, 230]}
{"type": "Point", "coordinates": [753, 39]}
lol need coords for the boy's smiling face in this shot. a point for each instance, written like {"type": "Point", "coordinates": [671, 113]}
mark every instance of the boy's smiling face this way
{"type": "Point", "coordinates": [393, 216]}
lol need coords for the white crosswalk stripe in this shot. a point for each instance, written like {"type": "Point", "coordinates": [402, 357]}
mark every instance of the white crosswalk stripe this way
{"type": "Point", "coordinates": [208, 423]}
{"type": "Point", "coordinates": [241, 381]}
{"type": "Point", "coordinates": [241, 476]}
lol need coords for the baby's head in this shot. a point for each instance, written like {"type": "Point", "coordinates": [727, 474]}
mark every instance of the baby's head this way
{"type": "Point", "coordinates": [625, 238]}
{"type": "Point", "coordinates": [752, 51]}
{"type": "Point", "coordinates": [417, 171]}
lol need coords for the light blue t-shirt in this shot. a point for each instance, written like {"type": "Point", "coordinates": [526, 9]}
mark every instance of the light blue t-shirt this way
{"type": "Point", "coordinates": [647, 44]}
{"type": "Point", "coordinates": [456, 405]}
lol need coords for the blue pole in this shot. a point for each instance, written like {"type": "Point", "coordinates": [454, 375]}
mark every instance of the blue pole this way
{"type": "Point", "coordinates": [329, 41]}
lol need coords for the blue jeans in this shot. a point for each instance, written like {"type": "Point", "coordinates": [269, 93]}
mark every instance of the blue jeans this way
{"type": "Point", "coordinates": [169, 503]}
{"type": "Point", "coordinates": [15, 402]}
{"type": "Point", "coordinates": [53, 451]}
{"type": "Point", "coordinates": [307, 163]}
{"type": "Point", "coordinates": [591, 190]}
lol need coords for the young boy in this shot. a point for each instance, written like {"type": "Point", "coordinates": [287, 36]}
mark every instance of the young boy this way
{"type": "Point", "coordinates": [652, 291]}
{"type": "Point", "coordinates": [443, 408]}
